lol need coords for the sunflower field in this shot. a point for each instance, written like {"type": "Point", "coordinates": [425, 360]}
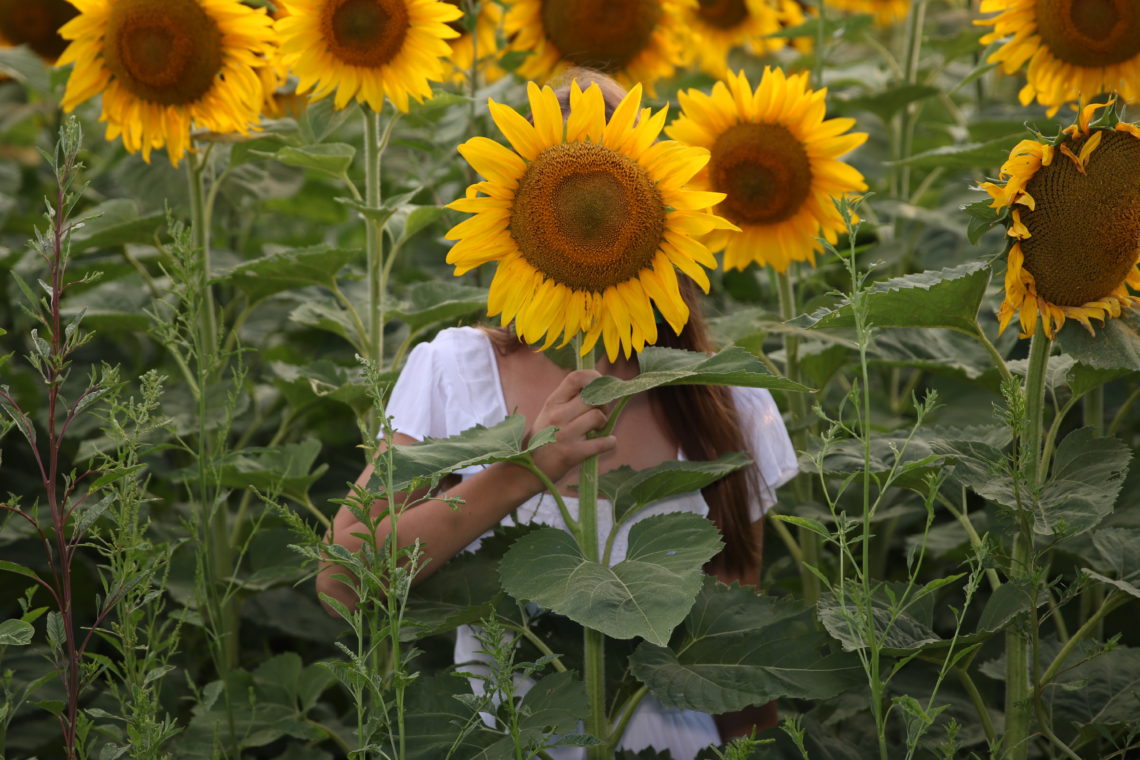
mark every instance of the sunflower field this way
{"type": "Point", "coordinates": [225, 225]}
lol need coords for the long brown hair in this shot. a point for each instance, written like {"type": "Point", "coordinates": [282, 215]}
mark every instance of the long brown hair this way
{"type": "Point", "coordinates": [701, 419]}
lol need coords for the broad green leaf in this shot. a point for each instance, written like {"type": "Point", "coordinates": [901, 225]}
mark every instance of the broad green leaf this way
{"type": "Point", "coordinates": [1007, 602]}
{"type": "Point", "coordinates": [647, 594]}
{"type": "Point", "coordinates": [1119, 550]}
{"type": "Point", "coordinates": [1116, 345]}
{"type": "Point", "coordinates": [435, 718]}
{"type": "Point", "coordinates": [737, 648]}
{"type": "Point", "coordinates": [12, 567]}
{"type": "Point", "coordinates": [887, 103]}
{"type": "Point", "coordinates": [936, 298]}
{"type": "Point", "coordinates": [114, 223]}
{"type": "Point", "coordinates": [286, 469]}
{"type": "Point", "coordinates": [895, 629]}
{"type": "Point", "coordinates": [935, 350]}
{"type": "Point", "coordinates": [671, 366]}
{"type": "Point", "coordinates": [410, 219]}
{"type": "Point", "coordinates": [982, 468]}
{"type": "Point", "coordinates": [966, 156]}
{"type": "Point", "coordinates": [1127, 587]}
{"type": "Point", "coordinates": [1083, 378]}
{"type": "Point", "coordinates": [1104, 691]}
{"type": "Point", "coordinates": [256, 149]}
{"type": "Point", "coordinates": [439, 99]}
{"type": "Point", "coordinates": [1083, 485]}
{"type": "Point", "coordinates": [982, 217]}
{"type": "Point", "coordinates": [288, 270]}
{"type": "Point", "coordinates": [463, 591]}
{"type": "Point", "coordinates": [325, 315]}
{"type": "Point", "coordinates": [913, 460]}
{"type": "Point", "coordinates": [331, 158]}
{"type": "Point", "coordinates": [16, 633]}
{"type": "Point", "coordinates": [25, 67]}
{"type": "Point", "coordinates": [438, 302]}
{"type": "Point", "coordinates": [630, 490]}
{"type": "Point", "coordinates": [433, 458]}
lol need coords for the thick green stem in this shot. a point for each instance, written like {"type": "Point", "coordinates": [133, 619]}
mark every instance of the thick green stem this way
{"type": "Point", "coordinates": [374, 241]}
{"type": "Point", "coordinates": [594, 652]}
{"type": "Point", "coordinates": [1018, 699]}
{"type": "Point", "coordinates": [808, 541]}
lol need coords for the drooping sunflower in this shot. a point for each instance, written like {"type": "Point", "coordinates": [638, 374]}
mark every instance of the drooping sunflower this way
{"type": "Point", "coordinates": [886, 12]}
{"type": "Point", "coordinates": [162, 65]}
{"type": "Point", "coordinates": [1074, 216]}
{"type": "Point", "coordinates": [587, 220]}
{"type": "Point", "coordinates": [776, 159]}
{"type": "Point", "coordinates": [368, 49]}
{"type": "Point", "coordinates": [483, 42]}
{"type": "Point", "coordinates": [634, 41]}
{"type": "Point", "coordinates": [1076, 49]}
{"type": "Point", "coordinates": [718, 26]}
{"type": "Point", "coordinates": [35, 24]}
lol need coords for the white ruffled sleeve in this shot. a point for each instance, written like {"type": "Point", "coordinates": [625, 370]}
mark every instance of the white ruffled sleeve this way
{"type": "Point", "coordinates": [768, 443]}
{"type": "Point", "coordinates": [416, 404]}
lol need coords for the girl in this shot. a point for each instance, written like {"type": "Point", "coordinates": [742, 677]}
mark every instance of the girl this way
{"type": "Point", "coordinates": [468, 376]}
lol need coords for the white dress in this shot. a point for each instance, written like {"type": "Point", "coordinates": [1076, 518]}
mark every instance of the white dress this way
{"type": "Point", "coordinates": [452, 384]}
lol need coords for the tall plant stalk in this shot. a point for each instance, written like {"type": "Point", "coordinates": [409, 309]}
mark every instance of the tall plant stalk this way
{"type": "Point", "coordinates": [374, 240]}
{"type": "Point", "coordinates": [1031, 471]}
{"type": "Point", "coordinates": [594, 642]}
{"type": "Point", "coordinates": [809, 543]}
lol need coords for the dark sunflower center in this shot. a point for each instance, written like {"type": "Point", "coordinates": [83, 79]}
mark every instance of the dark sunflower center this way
{"type": "Point", "coordinates": [586, 216]}
{"type": "Point", "coordinates": [1090, 32]}
{"type": "Point", "coordinates": [365, 32]}
{"type": "Point", "coordinates": [1085, 230]}
{"type": "Point", "coordinates": [601, 34]}
{"type": "Point", "coordinates": [163, 51]}
{"type": "Point", "coordinates": [764, 170]}
{"type": "Point", "coordinates": [36, 24]}
{"type": "Point", "coordinates": [723, 14]}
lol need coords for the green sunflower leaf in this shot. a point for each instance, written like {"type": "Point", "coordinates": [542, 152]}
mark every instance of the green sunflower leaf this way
{"type": "Point", "coordinates": [1116, 345]}
{"type": "Point", "coordinates": [736, 649]}
{"type": "Point", "coordinates": [1087, 475]}
{"type": "Point", "coordinates": [330, 158]}
{"type": "Point", "coordinates": [288, 270]}
{"type": "Point", "coordinates": [437, 302]}
{"type": "Point", "coordinates": [16, 633]}
{"type": "Point", "coordinates": [937, 298]}
{"type": "Point", "coordinates": [674, 366]}
{"type": "Point", "coordinates": [434, 458]}
{"type": "Point", "coordinates": [647, 594]}
{"type": "Point", "coordinates": [629, 490]}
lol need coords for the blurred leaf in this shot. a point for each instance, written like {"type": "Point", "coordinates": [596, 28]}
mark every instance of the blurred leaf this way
{"type": "Point", "coordinates": [438, 302]}
{"type": "Point", "coordinates": [410, 219]}
{"type": "Point", "coordinates": [671, 366]}
{"type": "Point", "coordinates": [435, 718]}
{"type": "Point", "coordinates": [1082, 378]}
{"type": "Point", "coordinates": [737, 648]}
{"type": "Point", "coordinates": [887, 103]}
{"type": "Point", "coordinates": [288, 270]}
{"type": "Point", "coordinates": [439, 99]}
{"type": "Point", "coordinates": [982, 218]}
{"type": "Point", "coordinates": [647, 594]}
{"type": "Point", "coordinates": [1116, 345]}
{"type": "Point", "coordinates": [833, 26]}
{"type": "Point", "coordinates": [26, 67]}
{"type": "Point", "coordinates": [114, 223]}
{"type": "Point", "coordinates": [16, 633]}
{"type": "Point", "coordinates": [286, 469]}
{"type": "Point", "coordinates": [981, 467]}
{"type": "Point", "coordinates": [257, 149]}
{"type": "Point", "coordinates": [967, 156]}
{"type": "Point", "coordinates": [916, 462]}
{"type": "Point", "coordinates": [937, 298]}
{"type": "Point", "coordinates": [330, 158]}
{"type": "Point", "coordinates": [326, 315]}
{"type": "Point", "coordinates": [630, 490]}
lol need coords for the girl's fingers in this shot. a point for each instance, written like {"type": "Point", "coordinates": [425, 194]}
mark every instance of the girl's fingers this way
{"type": "Point", "coordinates": [571, 386]}
{"type": "Point", "coordinates": [592, 419]}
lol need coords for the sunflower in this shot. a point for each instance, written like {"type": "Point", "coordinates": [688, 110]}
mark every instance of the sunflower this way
{"type": "Point", "coordinates": [367, 49]}
{"type": "Point", "coordinates": [483, 42]}
{"type": "Point", "coordinates": [1075, 222]}
{"type": "Point", "coordinates": [775, 158]}
{"type": "Point", "coordinates": [1076, 48]}
{"type": "Point", "coordinates": [886, 12]}
{"type": "Point", "coordinates": [587, 220]}
{"type": "Point", "coordinates": [164, 64]}
{"type": "Point", "coordinates": [635, 41]}
{"type": "Point", "coordinates": [35, 24]}
{"type": "Point", "coordinates": [720, 25]}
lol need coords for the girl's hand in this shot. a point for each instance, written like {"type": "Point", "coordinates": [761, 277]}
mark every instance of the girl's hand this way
{"type": "Point", "coordinates": [574, 418]}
